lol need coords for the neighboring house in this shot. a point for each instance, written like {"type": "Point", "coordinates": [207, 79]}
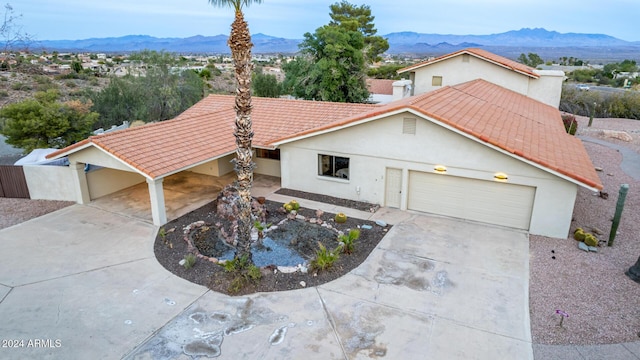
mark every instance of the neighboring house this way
{"type": "Point", "coordinates": [470, 64]}
{"type": "Point", "coordinates": [475, 151]}
{"type": "Point", "coordinates": [380, 90]}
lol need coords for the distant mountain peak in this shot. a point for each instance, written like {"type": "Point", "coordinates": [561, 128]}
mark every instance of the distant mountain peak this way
{"type": "Point", "coordinates": [405, 41]}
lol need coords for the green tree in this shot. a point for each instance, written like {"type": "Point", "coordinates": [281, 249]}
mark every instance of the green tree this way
{"type": "Point", "coordinates": [161, 94]}
{"type": "Point", "coordinates": [359, 18]}
{"type": "Point", "coordinates": [385, 72]}
{"type": "Point", "coordinates": [240, 44]}
{"type": "Point", "coordinates": [44, 122]}
{"type": "Point", "coordinates": [76, 67]}
{"type": "Point", "coordinates": [532, 59]}
{"type": "Point", "coordinates": [331, 69]}
{"type": "Point", "coordinates": [266, 85]}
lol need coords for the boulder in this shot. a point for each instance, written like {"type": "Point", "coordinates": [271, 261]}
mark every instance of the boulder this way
{"type": "Point", "coordinates": [619, 135]}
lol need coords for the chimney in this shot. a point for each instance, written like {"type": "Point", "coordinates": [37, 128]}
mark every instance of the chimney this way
{"type": "Point", "coordinates": [401, 89]}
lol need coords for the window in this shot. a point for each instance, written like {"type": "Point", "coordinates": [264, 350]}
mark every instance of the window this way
{"type": "Point", "coordinates": [268, 154]}
{"type": "Point", "coordinates": [333, 166]}
{"type": "Point", "coordinates": [436, 81]}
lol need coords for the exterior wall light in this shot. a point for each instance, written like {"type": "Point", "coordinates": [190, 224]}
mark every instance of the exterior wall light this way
{"type": "Point", "coordinates": [440, 169]}
{"type": "Point", "coordinates": [500, 176]}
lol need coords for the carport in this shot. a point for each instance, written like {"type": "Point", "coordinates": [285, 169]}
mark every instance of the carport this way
{"type": "Point", "coordinates": [183, 192]}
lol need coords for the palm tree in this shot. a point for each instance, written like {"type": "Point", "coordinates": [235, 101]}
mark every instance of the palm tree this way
{"type": "Point", "coordinates": [240, 44]}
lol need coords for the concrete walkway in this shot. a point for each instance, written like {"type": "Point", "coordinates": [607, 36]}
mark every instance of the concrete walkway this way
{"type": "Point", "coordinates": [630, 159]}
{"type": "Point", "coordinates": [83, 283]}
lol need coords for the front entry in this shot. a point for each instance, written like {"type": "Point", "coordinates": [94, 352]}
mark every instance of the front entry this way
{"type": "Point", "coordinates": [393, 185]}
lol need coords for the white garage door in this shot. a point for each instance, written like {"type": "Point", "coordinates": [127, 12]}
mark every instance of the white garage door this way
{"type": "Point", "coordinates": [485, 201]}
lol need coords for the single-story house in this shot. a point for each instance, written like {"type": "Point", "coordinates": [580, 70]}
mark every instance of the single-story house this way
{"type": "Point", "coordinates": [475, 151]}
{"type": "Point", "coordinates": [472, 63]}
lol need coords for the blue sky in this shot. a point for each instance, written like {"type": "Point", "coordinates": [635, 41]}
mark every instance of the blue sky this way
{"type": "Point", "coordinates": [82, 19]}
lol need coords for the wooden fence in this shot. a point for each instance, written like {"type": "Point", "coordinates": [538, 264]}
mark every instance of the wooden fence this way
{"type": "Point", "coordinates": [13, 184]}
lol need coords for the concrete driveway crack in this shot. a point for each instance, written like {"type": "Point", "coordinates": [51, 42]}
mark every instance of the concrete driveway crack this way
{"type": "Point", "coordinates": [7, 294]}
{"type": "Point", "coordinates": [332, 323]}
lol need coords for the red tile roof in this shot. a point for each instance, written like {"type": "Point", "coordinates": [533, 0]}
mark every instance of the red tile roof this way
{"type": "Point", "coordinates": [205, 132]}
{"type": "Point", "coordinates": [510, 121]}
{"type": "Point", "coordinates": [482, 54]}
{"type": "Point", "coordinates": [380, 86]}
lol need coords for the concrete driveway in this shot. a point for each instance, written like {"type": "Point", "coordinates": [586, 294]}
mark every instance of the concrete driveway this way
{"type": "Point", "coordinates": [86, 281]}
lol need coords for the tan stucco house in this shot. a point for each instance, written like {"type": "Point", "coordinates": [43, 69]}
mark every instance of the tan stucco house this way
{"type": "Point", "coordinates": [470, 64]}
{"type": "Point", "coordinates": [476, 151]}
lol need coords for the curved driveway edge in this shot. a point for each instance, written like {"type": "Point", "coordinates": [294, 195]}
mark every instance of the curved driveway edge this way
{"type": "Point", "coordinates": [83, 283]}
{"type": "Point", "coordinates": [433, 288]}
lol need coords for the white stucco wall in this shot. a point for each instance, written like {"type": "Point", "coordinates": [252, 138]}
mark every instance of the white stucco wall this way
{"type": "Point", "coordinates": [217, 167]}
{"type": "Point", "coordinates": [372, 147]}
{"type": "Point", "coordinates": [105, 181]}
{"type": "Point", "coordinates": [267, 167]}
{"type": "Point", "coordinates": [47, 182]}
{"type": "Point", "coordinates": [547, 88]}
{"type": "Point", "coordinates": [455, 71]}
{"type": "Point", "coordinates": [94, 156]}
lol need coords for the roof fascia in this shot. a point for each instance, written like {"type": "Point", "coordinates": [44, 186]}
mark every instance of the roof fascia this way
{"type": "Point", "coordinates": [505, 152]}
{"type": "Point", "coordinates": [340, 127]}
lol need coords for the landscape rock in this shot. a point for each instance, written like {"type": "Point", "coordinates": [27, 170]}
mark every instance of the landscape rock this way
{"type": "Point", "coordinates": [619, 135]}
{"type": "Point", "coordinates": [367, 227]}
{"type": "Point", "coordinates": [381, 223]}
{"type": "Point", "coordinates": [593, 249]}
{"type": "Point", "coordinates": [583, 246]}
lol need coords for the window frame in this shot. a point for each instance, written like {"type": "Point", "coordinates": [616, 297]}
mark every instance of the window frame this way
{"type": "Point", "coordinates": [333, 163]}
{"type": "Point", "coordinates": [267, 154]}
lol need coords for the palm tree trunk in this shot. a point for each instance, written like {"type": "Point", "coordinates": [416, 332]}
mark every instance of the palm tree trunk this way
{"type": "Point", "coordinates": [240, 44]}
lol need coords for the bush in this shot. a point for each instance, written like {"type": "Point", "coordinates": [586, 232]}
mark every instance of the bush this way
{"type": "Point", "coordinates": [324, 258]}
{"type": "Point", "coordinates": [4, 93]}
{"type": "Point", "coordinates": [570, 124]}
{"type": "Point", "coordinates": [348, 241]}
{"type": "Point", "coordinates": [18, 86]}
{"type": "Point", "coordinates": [189, 261]}
{"type": "Point", "coordinates": [243, 271]}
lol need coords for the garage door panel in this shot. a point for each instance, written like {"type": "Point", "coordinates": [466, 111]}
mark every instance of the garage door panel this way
{"type": "Point", "coordinates": [485, 201]}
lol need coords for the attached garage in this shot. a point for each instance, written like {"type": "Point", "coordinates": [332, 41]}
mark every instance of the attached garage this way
{"type": "Point", "coordinates": [473, 199]}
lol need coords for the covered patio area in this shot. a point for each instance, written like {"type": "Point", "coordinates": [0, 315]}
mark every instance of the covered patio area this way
{"type": "Point", "coordinates": [183, 193]}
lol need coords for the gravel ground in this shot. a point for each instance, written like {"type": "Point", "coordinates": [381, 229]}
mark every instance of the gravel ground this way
{"type": "Point", "coordinates": [602, 302]}
{"type": "Point", "coordinates": [15, 211]}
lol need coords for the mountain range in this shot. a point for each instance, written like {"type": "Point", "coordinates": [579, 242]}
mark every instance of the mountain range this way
{"type": "Point", "coordinates": [400, 43]}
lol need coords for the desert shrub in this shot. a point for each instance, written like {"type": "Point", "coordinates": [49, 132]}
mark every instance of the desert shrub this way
{"type": "Point", "coordinates": [189, 261]}
{"type": "Point", "coordinates": [243, 272]}
{"type": "Point", "coordinates": [348, 240]}
{"type": "Point", "coordinates": [70, 84]}
{"type": "Point", "coordinates": [325, 258]}
{"type": "Point", "coordinates": [624, 105]}
{"type": "Point", "coordinates": [570, 123]}
{"type": "Point", "coordinates": [18, 86]}
{"type": "Point", "coordinates": [4, 93]}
